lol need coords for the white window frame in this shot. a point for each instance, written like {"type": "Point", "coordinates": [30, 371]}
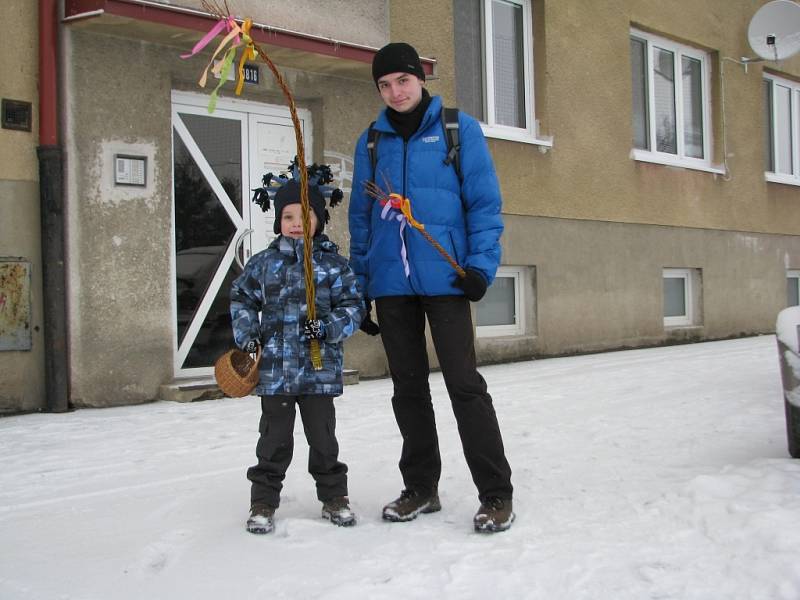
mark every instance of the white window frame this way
{"type": "Point", "coordinates": [793, 274]}
{"type": "Point", "coordinates": [794, 95]}
{"type": "Point", "coordinates": [679, 159]}
{"type": "Point", "coordinates": [518, 327]}
{"type": "Point", "coordinates": [530, 134]}
{"type": "Point", "coordinates": [688, 292]}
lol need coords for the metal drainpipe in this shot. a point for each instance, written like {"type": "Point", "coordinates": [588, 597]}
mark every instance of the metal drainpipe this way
{"type": "Point", "coordinates": [51, 197]}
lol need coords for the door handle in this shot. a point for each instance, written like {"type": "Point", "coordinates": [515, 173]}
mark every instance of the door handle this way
{"type": "Point", "coordinates": [239, 242]}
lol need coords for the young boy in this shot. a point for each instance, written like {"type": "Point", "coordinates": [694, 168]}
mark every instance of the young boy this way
{"type": "Point", "coordinates": [273, 284]}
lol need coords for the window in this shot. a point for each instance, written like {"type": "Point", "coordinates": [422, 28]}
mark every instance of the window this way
{"type": "Point", "coordinates": [500, 311]}
{"type": "Point", "coordinates": [670, 103]}
{"type": "Point", "coordinates": [781, 148]}
{"type": "Point", "coordinates": [494, 71]}
{"type": "Point", "coordinates": [680, 297]}
{"type": "Point", "coordinates": [792, 288]}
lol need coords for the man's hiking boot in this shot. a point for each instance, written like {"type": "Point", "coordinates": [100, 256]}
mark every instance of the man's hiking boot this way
{"type": "Point", "coordinates": [337, 511]}
{"type": "Point", "coordinates": [261, 519]}
{"type": "Point", "coordinates": [410, 504]}
{"type": "Point", "coordinates": [494, 515]}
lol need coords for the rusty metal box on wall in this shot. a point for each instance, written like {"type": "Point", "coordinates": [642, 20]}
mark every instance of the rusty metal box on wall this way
{"type": "Point", "coordinates": [15, 304]}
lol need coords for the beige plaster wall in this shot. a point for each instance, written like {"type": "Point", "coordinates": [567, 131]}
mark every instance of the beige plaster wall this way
{"type": "Point", "coordinates": [598, 285]}
{"type": "Point", "coordinates": [595, 285]}
{"type": "Point", "coordinates": [588, 93]}
{"type": "Point", "coordinates": [583, 100]}
{"type": "Point", "coordinates": [120, 240]}
{"type": "Point", "coordinates": [19, 29]}
{"type": "Point", "coordinates": [21, 372]}
{"type": "Point", "coordinates": [428, 26]}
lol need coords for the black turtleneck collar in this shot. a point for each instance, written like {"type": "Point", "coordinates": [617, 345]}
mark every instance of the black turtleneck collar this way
{"type": "Point", "coordinates": [406, 124]}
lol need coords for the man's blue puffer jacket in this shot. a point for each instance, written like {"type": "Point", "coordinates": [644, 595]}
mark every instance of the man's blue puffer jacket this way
{"type": "Point", "coordinates": [463, 217]}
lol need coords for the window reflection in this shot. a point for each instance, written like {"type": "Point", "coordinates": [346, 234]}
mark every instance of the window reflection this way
{"type": "Point", "coordinates": [204, 232]}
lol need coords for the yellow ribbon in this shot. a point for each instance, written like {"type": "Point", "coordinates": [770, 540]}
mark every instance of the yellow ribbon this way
{"type": "Point", "coordinates": [405, 208]}
{"type": "Point", "coordinates": [249, 53]}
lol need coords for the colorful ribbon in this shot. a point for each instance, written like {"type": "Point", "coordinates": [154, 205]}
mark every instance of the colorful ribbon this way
{"type": "Point", "coordinates": [249, 53]}
{"type": "Point", "coordinates": [216, 30]}
{"type": "Point", "coordinates": [235, 37]}
{"type": "Point", "coordinates": [399, 208]}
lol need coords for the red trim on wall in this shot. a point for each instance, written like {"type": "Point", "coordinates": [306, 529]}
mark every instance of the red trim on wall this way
{"type": "Point", "coordinates": [196, 20]}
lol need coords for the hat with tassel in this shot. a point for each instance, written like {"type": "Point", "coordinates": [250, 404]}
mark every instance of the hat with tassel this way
{"type": "Point", "coordinates": [284, 189]}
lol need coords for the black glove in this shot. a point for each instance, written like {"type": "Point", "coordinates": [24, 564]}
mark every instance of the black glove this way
{"type": "Point", "coordinates": [251, 347]}
{"type": "Point", "coordinates": [369, 326]}
{"type": "Point", "coordinates": [473, 284]}
{"type": "Point", "coordinates": [314, 329]}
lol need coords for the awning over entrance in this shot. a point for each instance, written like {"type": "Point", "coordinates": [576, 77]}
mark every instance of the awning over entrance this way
{"type": "Point", "coordinates": [182, 27]}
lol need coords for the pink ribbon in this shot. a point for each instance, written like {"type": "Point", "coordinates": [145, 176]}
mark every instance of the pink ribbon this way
{"type": "Point", "coordinates": [223, 24]}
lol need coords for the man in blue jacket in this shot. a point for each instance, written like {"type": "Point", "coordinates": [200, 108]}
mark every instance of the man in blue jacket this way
{"type": "Point", "coordinates": [409, 281]}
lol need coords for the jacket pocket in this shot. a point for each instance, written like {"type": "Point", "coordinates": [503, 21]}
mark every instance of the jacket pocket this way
{"type": "Point", "coordinates": [456, 251]}
{"type": "Point", "coordinates": [424, 250]}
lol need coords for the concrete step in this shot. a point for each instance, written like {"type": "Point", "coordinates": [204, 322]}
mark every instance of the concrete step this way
{"type": "Point", "coordinates": [190, 390]}
{"type": "Point", "coordinates": [350, 376]}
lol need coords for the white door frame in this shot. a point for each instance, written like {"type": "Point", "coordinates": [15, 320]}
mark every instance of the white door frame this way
{"type": "Point", "coordinates": [244, 111]}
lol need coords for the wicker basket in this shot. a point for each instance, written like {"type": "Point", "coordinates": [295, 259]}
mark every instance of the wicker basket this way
{"type": "Point", "coordinates": [237, 372]}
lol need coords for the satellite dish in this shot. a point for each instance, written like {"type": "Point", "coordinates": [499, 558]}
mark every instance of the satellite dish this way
{"type": "Point", "coordinates": [774, 31]}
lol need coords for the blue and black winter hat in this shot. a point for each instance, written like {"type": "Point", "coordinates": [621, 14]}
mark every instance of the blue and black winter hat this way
{"type": "Point", "coordinates": [285, 190]}
{"type": "Point", "coordinates": [290, 194]}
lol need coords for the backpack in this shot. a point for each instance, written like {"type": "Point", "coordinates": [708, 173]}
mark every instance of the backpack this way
{"type": "Point", "coordinates": [449, 117]}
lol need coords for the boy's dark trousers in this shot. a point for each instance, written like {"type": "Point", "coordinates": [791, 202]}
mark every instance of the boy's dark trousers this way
{"type": "Point", "coordinates": [402, 323]}
{"type": "Point", "coordinates": [276, 445]}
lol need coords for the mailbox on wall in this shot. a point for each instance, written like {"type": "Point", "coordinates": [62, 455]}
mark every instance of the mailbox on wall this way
{"type": "Point", "coordinates": [130, 170]}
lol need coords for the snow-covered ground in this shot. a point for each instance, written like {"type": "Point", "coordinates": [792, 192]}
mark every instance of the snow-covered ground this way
{"type": "Point", "coordinates": [658, 473]}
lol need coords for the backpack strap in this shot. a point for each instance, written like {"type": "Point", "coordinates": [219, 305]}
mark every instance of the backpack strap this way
{"type": "Point", "coordinates": [372, 146]}
{"type": "Point", "coordinates": [450, 127]}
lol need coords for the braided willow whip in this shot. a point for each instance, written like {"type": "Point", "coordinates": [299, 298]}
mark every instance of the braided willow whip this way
{"type": "Point", "coordinates": [404, 206]}
{"type": "Point", "coordinates": [316, 357]}
{"type": "Point", "coordinates": [215, 9]}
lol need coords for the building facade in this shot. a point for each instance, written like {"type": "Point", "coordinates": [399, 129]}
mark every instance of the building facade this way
{"type": "Point", "coordinates": [21, 311]}
{"type": "Point", "coordinates": [649, 175]}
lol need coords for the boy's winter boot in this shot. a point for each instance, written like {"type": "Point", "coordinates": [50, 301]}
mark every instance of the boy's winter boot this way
{"type": "Point", "coordinates": [337, 511]}
{"type": "Point", "coordinates": [261, 519]}
{"type": "Point", "coordinates": [410, 504]}
{"type": "Point", "coordinates": [494, 515]}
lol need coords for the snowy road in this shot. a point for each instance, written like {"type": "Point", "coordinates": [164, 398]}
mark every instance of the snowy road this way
{"type": "Point", "coordinates": [645, 474]}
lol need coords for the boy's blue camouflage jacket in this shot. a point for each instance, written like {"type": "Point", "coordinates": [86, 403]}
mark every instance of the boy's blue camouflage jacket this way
{"type": "Point", "coordinates": [273, 283]}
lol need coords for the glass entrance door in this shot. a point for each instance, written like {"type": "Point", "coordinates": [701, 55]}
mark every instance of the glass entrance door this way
{"type": "Point", "coordinates": [217, 159]}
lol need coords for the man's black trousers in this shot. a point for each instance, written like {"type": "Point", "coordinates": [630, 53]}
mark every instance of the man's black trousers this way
{"type": "Point", "coordinates": [276, 446]}
{"type": "Point", "coordinates": [402, 323]}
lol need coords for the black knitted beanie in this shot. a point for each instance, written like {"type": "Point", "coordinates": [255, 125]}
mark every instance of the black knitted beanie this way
{"type": "Point", "coordinates": [397, 57]}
